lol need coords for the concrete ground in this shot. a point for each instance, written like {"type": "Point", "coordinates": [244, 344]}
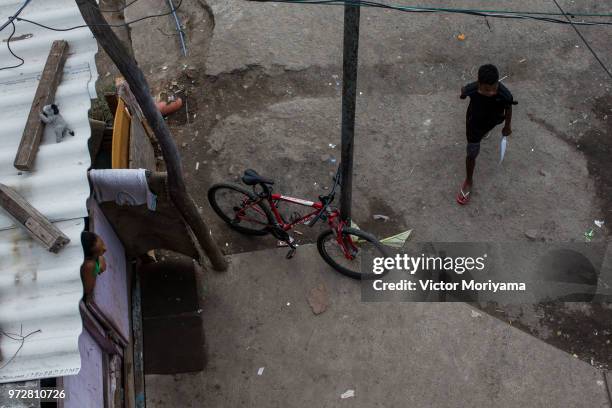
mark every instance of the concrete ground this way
{"type": "Point", "coordinates": [262, 84]}
{"type": "Point", "coordinates": [409, 354]}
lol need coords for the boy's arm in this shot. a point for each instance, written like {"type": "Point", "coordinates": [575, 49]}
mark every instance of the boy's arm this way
{"type": "Point", "coordinates": [507, 130]}
{"type": "Point", "coordinates": [468, 90]}
{"type": "Point", "coordinates": [102, 262]}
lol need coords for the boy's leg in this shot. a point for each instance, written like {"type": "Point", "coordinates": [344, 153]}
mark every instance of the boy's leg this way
{"type": "Point", "coordinates": [470, 163]}
{"type": "Point", "coordinates": [463, 196]}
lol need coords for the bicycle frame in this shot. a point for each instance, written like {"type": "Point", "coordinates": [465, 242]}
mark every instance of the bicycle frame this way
{"type": "Point", "coordinates": [332, 217]}
{"type": "Point", "coordinates": [348, 247]}
{"type": "Point", "coordinates": [274, 198]}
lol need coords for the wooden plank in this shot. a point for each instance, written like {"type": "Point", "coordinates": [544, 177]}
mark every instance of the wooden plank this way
{"type": "Point", "coordinates": [45, 95]}
{"type": "Point", "coordinates": [95, 140]}
{"type": "Point", "coordinates": [139, 378]}
{"type": "Point", "coordinates": [113, 333]}
{"type": "Point", "coordinates": [36, 224]}
{"type": "Point", "coordinates": [124, 92]}
{"type": "Point", "coordinates": [121, 137]}
{"type": "Point", "coordinates": [97, 332]}
{"type": "Point", "coordinates": [128, 356]}
{"type": "Point", "coordinates": [142, 155]}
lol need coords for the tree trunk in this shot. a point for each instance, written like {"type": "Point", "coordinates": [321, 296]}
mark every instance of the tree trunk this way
{"type": "Point", "coordinates": [138, 84]}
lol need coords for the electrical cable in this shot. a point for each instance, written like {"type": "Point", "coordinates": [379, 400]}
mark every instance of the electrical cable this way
{"type": "Point", "coordinates": [483, 13]}
{"type": "Point", "coordinates": [584, 40]}
{"type": "Point", "coordinates": [423, 8]}
{"type": "Point", "coordinates": [17, 337]}
{"type": "Point", "coordinates": [119, 9]}
{"type": "Point", "coordinates": [8, 45]}
{"type": "Point", "coordinates": [475, 12]}
{"type": "Point", "coordinates": [16, 17]}
{"type": "Point", "coordinates": [126, 24]}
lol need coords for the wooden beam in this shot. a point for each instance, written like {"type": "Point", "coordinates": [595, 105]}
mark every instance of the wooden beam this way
{"type": "Point", "coordinates": [95, 329]}
{"type": "Point", "coordinates": [112, 332]}
{"type": "Point", "coordinates": [138, 348]}
{"type": "Point", "coordinates": [36, 224]}
{"type": "Point", "coordinates": [138, 84]}
{"type": "Point", "coordinates": [128, 356]}
{"type": "Point", "coordinates": [142, 155]}
{"type": "Point", "coordinates": [95, 140]}
{"type": "Point", "coordinates": [45, 95]}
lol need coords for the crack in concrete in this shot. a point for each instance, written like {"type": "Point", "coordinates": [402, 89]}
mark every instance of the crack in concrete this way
{"type": "Point", "coordinates": [210, 13]}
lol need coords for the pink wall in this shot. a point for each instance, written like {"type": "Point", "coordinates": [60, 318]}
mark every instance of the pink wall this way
{"type": "Point", "coordinates": [86, 389]}
{"type": "Point", "coordinates": [111, 294]}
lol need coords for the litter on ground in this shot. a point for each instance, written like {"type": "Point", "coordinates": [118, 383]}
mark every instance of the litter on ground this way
{"type": "Point", "coordinates": [347, 394]}
{"type": "Point", "coordinates": [397, 240]}
{"type": "Point", "coordinates": [380, 217]}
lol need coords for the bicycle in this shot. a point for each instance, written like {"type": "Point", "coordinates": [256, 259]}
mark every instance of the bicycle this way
{"type": "Point", "coordinates": [256, 213]}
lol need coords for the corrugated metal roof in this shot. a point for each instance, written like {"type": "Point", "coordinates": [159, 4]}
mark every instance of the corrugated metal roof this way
{"type": "Point", "coordinates": [40, 290]}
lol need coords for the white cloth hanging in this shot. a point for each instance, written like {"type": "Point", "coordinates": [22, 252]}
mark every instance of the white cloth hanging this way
{"type": "Point", "coordinates": [123, 186]}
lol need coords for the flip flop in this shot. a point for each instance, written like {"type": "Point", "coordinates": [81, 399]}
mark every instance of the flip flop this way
{"type": "Point", "coordinates": [463, 198]}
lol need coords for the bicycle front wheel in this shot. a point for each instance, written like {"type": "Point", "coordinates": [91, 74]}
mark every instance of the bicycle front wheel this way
{"type": "Point", "coordinates": [241, 209]}
{"type": "Point", "coordinates": [346, 254]}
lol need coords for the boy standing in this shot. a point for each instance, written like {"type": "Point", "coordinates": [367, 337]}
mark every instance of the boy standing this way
{"type": "Point", "coordinates": [490, 104]}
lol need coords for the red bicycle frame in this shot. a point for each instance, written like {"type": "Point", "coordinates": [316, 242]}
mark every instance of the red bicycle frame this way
{"type": "Point", "coordinates": [333, 218]}
{"type": "Point", "coordinates": [273, 199]}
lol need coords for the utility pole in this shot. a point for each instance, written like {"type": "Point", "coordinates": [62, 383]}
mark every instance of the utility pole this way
{"type": "Point", "coordinates": [138, 84]}
{"type": "Point", "coordinates": [349, 99]}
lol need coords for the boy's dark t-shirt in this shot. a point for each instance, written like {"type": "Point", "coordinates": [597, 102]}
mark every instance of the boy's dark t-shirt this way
{"type": "Point", "coordinates": [484, 112]}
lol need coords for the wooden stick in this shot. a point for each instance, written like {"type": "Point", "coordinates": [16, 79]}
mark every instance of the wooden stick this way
{"type": "Point", "coordinates": [36, 224]}
{"type": "Point", "coordinates": [45, 94]}
{"type": "Point", "coordinates": [138, 84]}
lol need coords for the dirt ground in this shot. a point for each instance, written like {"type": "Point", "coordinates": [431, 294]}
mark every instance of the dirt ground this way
{"type": "Point", "coordinates": [262, 84]}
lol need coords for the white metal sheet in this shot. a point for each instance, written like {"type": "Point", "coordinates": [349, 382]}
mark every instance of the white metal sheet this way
{"type": "Point", "coordinates": [40, 290]}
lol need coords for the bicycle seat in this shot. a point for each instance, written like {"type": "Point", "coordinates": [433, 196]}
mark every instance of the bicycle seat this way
{"type": "Point", "coordinates": [250, 178]}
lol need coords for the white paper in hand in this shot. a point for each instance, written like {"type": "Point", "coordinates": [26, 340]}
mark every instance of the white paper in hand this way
{"type": "Point", "coordinates": [502, 149]}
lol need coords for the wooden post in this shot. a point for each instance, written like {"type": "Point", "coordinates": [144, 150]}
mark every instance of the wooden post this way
{"type": "Point", "coordinates": [45, 94]}
{"type": "Point", "coordinates": [138, 349]}
{"type": "Point", "coordinates": [39, 227]}
{"type": "Point", "coordinates": [138, 84]}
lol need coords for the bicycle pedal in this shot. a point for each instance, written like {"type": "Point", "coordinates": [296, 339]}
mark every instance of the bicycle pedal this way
{"type": "Point", "coordinates": [282, 244]}
{"type": "Point", "coordinates": [290, 253]}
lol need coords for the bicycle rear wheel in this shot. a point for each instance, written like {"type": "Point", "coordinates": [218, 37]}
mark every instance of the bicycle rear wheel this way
{"type": "Point", "coordinates": [360, 245]}
{"type": "Point", "coordinates": [242, 210]}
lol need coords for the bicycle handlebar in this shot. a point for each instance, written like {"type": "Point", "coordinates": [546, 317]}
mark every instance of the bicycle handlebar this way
{"type": "Point", "coordinates": [320, 213]}
{"type": "Point", "coordinates": [327, 200]}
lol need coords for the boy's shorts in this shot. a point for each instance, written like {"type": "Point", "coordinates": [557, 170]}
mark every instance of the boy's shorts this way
{"type": "Point", "coordinates": [476, 132]}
